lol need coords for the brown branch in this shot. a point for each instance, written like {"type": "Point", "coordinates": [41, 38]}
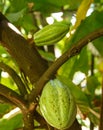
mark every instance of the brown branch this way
{"type": "Point", "coordinates": [5, 100]}
{"type": "Point", "coordinates": [75, 50]}
{"type": "Point", "coordinates": [13, 97]}
{"type": "Point", "coordinates": [17, 100]}
{"type": "Point", "coordinates": [26, 55]}
{"type": "Point", "coordinates": [15, 77]}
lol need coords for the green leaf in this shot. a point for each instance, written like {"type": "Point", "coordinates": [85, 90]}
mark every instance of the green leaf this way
{"type": "Point", "coordinates": [90, 24]}
{"type": "Point", "coordinates": [53, 6]}
{"type": "Point", "coordinates": [47, 55]}
{"type": "Point", "coordinates": [93, 119]}
{"type": "Point", "coordinates": [4, 108]}
{"type": "Point", "coordinates": [66, 3]}
{"type": "Point", "coordinates": [14, 17]}
{"type": "Point", "coordinates": [27, 23]}
{"type": "Point", "coordinates": [66, 69]}
{"type": "Point", "coordinates": [55, 2]}
{"type": "Point", "coordinates": [77, 63]}
{"type": "Point", "coordinates": [7, 81]}
{"type": "Point", "coordinates": [2, 51]}
{"type": "Point", "coordinates": [81, 63]}
{"type": "Point", "coordinates": [12, 123]}
{"type": "Point", "coordinates": [45, 10]}
{"type": "Point", "coordinates": [17, 5]}
{"type": "Point", "coordinates": [92, 84]}
{"type": "Point", "coordinates": [101, 1]}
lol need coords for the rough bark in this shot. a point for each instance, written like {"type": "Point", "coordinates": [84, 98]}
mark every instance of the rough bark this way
{"type": "Point", "coordinates": [26, 55]}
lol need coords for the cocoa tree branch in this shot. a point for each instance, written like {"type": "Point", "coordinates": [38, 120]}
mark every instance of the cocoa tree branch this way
{"type": "Point", "coordinates": [75, 50]}
{"type": "Point", "coordinates": [5, 100]}
{"type": "Point", "coordinates": [17, 100]}
{"type": "Point", "coordinates": [13, 97]}
{"type": "Point", "coordinates": [26, 55]}
{"type": "Point", "coordinates": [15, 77]}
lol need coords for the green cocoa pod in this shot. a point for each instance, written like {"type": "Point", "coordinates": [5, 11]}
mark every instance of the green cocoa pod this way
{"type": "Point", "coordinates": [51, 34]}
{"type": "Point", "coordinates": [57, 105]}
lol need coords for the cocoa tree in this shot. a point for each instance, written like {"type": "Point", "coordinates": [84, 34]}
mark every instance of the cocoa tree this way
{"type": "Point", "coordinates": [34, 64]}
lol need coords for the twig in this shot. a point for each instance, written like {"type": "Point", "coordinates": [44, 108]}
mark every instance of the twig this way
{"type": "Point", "coordinates": [60, 61]}
{"type": "Point", "coordinates": [15, 77]}
{"type": "Point", "coordinates": [13, 97]}
{"type": "Point", "coordinates": [5, 100]}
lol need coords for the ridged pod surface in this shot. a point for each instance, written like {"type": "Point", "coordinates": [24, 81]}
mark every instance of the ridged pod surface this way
{"type": "Point", "coordinates": [51, 34]}
{"type": "Point", "coordinates": [57, 105]}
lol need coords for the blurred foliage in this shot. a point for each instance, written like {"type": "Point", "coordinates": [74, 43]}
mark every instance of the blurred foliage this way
{"type": "Point", "coordinates": [31, 15]}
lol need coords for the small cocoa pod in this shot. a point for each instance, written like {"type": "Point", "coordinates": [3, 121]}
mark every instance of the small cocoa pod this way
{"type": "Point", "coordinates": [51, 34]}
